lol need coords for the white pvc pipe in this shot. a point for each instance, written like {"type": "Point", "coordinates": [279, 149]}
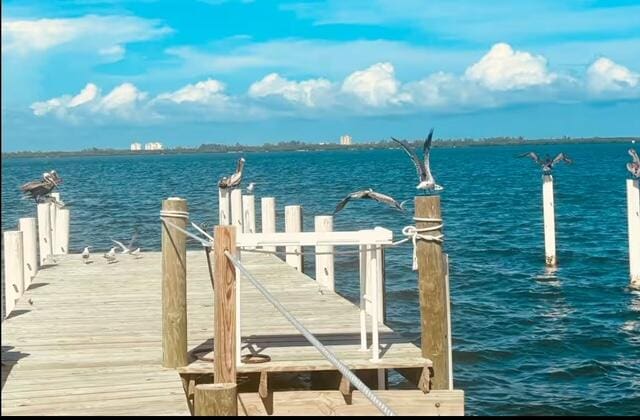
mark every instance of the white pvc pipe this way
{"type": "Point", "coordinates": [28, 227]}
{"type": "Point", "coordinates": [223, 207]}
{"type": "Point", "coordinates": [633, 218]}
{"type": "Point", "coordinates": [549, 221]}
{"type": "Point", "coordinates": [236, 209]}
{"type": "Point", "coordinates": [13, 269]}
{"type": "Point", "coordinates": [268, 205]}
{"type": "Point", "coordinates": [293, 223]}
{"type": "Point", "coordinates": [324, 261]}
{"type": "Point", "coordinates": [45, 243]}
{"type": "Point", "coordinates": [62, 231]}
{"type": "Point", "coordinates": [363, 283]}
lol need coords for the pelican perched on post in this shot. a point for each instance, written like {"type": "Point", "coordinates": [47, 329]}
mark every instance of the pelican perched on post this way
{"type": "Point", "coordinates": [427, 182]}
{"type": "Point", "coordinates": [42, 188]}
{"type": "Point", "coordinates": [371, 195]}
{"type": "Point", "coordinates": [234, 180]}
{"type": "Point", "coordinates": [547, 163]}
{"type": "Point", "coordinates": [634, 166]}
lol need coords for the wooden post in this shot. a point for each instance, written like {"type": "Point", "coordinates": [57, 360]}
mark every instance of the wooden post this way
{"type": "Point", "coordinates": [236, 209]}
{"type": "Point", "coordinates": [633, 217]}
{"type": "Point", "coordinates": [432, 293]}
{"type": "Point", "coordinates": [220, 399]}
{"type": "Point", "coordinates": [61, 241]}
{"type": "Point", "coordinates": [53, 212]}
{"type": "Point", "coordinates": [44, 233]}
{"type": "Point", "coordinates": [13, 269]}
{"type": "Point", "coordinates": [174, 284]}
{"type": "Point", "coordinates": [28, 227]}
{"type": "Point", "coordinates": [325, 261]}
{"type": "Point", "coordinates": [223, 207]}
{"type": "Point", "coordinates": [549, 221]}
{"type": "Point", "coordinates": [269, 218]}
{"type": "Point", "coordinates": [224, 370]}
{"type": "Point", "coordinates": [293, 223]}
{"type": "Point", "coordinates": [249, 214]}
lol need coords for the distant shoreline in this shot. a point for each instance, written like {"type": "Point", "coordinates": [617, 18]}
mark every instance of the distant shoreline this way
{"type": "Point", "coordinates": [309, 147]}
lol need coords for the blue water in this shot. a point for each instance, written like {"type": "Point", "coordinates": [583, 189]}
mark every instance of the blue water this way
{"type": "Point", "coordinates": [525, 341]}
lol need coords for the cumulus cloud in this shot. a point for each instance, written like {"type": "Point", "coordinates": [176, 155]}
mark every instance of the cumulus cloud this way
{"type": "Point", "coordinates": [88, 94]}
{"type": "Point", "coordinates": [376, 86]}
{"type": "Point", "coordinates": [503, 69]}
{"type": "Point", "coordinates": [606, 75]}
{"type": "Point", "coordinates": [310, 93]}
{"type": "Point", "coordinates": [204, 92]}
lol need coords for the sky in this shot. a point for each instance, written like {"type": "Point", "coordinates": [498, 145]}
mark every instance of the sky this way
{"type": "Point", "coordinates": [78, 74]}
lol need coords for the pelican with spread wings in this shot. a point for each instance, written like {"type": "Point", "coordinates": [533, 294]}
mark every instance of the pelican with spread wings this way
{"type": "Point", "coordinates": [234, 179]}
{"type": "Point", "coordinates": [547, 163]}
{"type": "Point", "coordinates": [40, 189]}
{"type": "Point", "coordinates": [634, 166]}
{"type": "Point", "coordinates": [370, 195]}
{"type": "Point", "coordinates": [427, 182]}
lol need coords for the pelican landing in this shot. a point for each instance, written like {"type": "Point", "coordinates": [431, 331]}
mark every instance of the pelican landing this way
{"type": "Point", "coordinates": [232, 327]}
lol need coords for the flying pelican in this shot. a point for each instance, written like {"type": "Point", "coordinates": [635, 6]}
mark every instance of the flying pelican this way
{"type": "Point", "coordinates": [40, 189]}
{"type": "Point", "coordinates": [111, 255]}
{"type": "Point", "coordinates": [234, 180]}
{"type": "Point", "coordinates": [371, 195]}
{"type": "Point", "coordinates": [547, 163]}
{"type": "Point", "coordinates": [85, 255]}
{"type": "Point", "coordinates": [427, 182]}
{"type": "Point", "coordinates": [250, 187]}
{"type": "Point", "coordinates": [128, 249]}
{"type": "Point", "coordinates": [634, 166]}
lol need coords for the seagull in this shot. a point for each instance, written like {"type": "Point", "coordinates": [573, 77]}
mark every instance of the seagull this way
{"type": "Point", "coordinates": [547, 163]}
{"type": "Point", "coordinates": [40, 189]}
{"type": "Point", "coordinates": [250, 188]}
{"type": "Point", "coordinates": [85, 255]}
{"type": "Point", "coordinates": [234, 180]}
{"type": "Point", "coordinates": [634, 167]}
{"type": "Point", "coordinates": [424, 171]}
{"type": "Point", "coordinates": [111, 255]}
{"type": "Point", "coordinates": [127, 249]}
{"type": "Point", "coordinates": [371, 195]}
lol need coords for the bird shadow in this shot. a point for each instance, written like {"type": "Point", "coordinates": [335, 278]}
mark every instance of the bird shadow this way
{"type": "Point", "coordinates": [9, 359]}
{"type": "Point", "coordinates": [37, 285]}
{"type": "Point", "coordinates": [17, 312]}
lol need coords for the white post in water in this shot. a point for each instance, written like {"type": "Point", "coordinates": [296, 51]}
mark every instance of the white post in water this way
{"type": "Point", "coordinates": [269, 218]}
{"type": "Point", "coordinates": [293, 223]}
{"type": "Point", "coordinates": [13, 269]}
{"type": "Point", "coordinates": [61, 243]}
{"type": "Point", "coordinates": [633, 217]}
{"type": "Point", "coordinates": [236, 209]}
{"type": "Point", "coordinates": [28, 227]}
{"type": "Point", "coordinates": [249, 211]}
{"type": "Point", "coordinates": [324, 255]}
{"type": "Point", "coordinates": [44, 233]}
{"type": "Point", "coordinates": [549, 221]}
{"type": "Point", "coordinates": [223, 207]}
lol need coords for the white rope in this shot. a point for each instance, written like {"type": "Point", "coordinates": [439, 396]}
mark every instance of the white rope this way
{"type": "Point", "coordinates": [202, 241]}
{"type": "Point", "coordinates": [199, 229]}
{"type": "Point", "coordinates": [179, 214]}
{"type": "Point", "coordinates": [414, 234]}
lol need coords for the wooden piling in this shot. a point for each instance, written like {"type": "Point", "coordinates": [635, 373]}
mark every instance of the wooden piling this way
{"type": "Point", "coordinates": [633, 218]}
{"type": "Point", "coordinates": [28, 227]}
{"type": "Point", "coordinates": [53, 212]}
{"type": "Point", "coordinates": [324, 260]}
{"type": "Point", "coordinates": [268, 205]}
{"type": "Point", "coordinates": [13, 269]}
{"type": "Point", "coordinates": [249, 213]}
{"type": "Point", "coordinates": [225, 306]}
{"type": "Point", "coordinates": [61, 240]}
{"type": "Point", "coordinates": [220, 399]}
{"type": "Point", "coordinates": [223, 207]}
{"type": "Point", "coordinates": [549, 221]}
{"type": "Point", "coordinates": [174, 284]}
{"type": "Point", "coordinates": [432, 292]}
{"type": "Point", "coordinates": [292, 224]}
{"type": "Point", "coordinates": [45, 242]}
{"type": "Point", "coordinates": [236, 209]}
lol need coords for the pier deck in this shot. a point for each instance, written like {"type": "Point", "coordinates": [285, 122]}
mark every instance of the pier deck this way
{"type": "Point", "coordinates": [86, 339]}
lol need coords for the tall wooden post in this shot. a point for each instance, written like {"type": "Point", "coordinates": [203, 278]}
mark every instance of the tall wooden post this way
{"type": "Point", "coordinates": [432, 290]}
{"type": "Point", "coordinates": [293, 223]}
{"type": "Point", "coordinates": [223, 207]}
{"type": "Point", "coordinates": [28, 227]}
{"type": "Point", "coordinates": [249, 213]}
{"type": "Point", "coordinates": [61, 241]}
{"type": "Point", "coordinates": [53, 213]}
{"type": "Point", "coordinates": [549, 221]}
{"type": "Point", "coordinates": [13, 269]}
{"type": "Point", "coordinates": [268, 218]}
{"type": "Point", "coordinates": [224, 342]}
{"type": "Point", "coordinates": [633, 217]}
{"type": "Point", "coordinates": [220, 399]}
{"type": "Point", "coordinates": [236, 209]}
{"type": "Point", "coordinates": [324, 255]}
{"type": "Point", "coordinates": [45, 241]}
{"type": "Point", "coordinates": [174, 284]}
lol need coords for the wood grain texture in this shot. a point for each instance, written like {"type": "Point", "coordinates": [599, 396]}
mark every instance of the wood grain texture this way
{"type": "Point", "coordinates": [216, 399]}
{"type": "Point", "coordinates": [225, 305]}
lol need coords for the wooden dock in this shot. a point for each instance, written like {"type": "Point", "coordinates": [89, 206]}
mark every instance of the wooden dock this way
{"type": "Point", "coordinates": [86, 339]}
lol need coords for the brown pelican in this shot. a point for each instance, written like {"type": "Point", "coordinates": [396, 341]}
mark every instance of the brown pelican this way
{"type": "Point", "coordinates": [427, 182]}
{"type": "Point", "coordinates": [634, 167]}
{"type": "Point", "coordinates": [371, 195]}
{"type": "Point", "coordinates": [42, 188]}
{"type": "Point", "coordinates": [547, 163]}
{"type": "Point", "coordinates": [234, 180]}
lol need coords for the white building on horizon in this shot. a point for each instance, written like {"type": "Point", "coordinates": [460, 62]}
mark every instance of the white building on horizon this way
{"type": "Point", "coordinates": [154, 145]}
{"type": "Point", "coordinates": [345, 140]}
{"type": "Point", "coordinates": [136, 146]}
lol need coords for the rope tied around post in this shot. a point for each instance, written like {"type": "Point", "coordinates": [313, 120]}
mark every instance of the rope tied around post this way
{"type": "Point", "coordinates": [414, 234]}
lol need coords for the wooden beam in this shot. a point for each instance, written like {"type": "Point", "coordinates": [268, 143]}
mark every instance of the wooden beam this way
{"type": "Point", "coordinates": [325, 260]}
{"type": "Point", "coordinates": [44, 233]}
{"type": "Point", "coordinates": [220, 399]}
{"type": "Point", "coordinates": [293, 224]}
{"type": "Point", "coordinates": [225, 305]}
{"type": "Point", "coordinates": [28, 227]}
{"type": "Point", "coordinates": [13, 269]}
{"type": "Point", "coordinates": [224, 209]}
{"type": "Point", "coordinates": [377, 236]}
{"type": "Point", "coordinates": [268, 212]}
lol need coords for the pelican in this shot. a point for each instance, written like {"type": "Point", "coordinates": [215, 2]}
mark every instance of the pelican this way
{"type": "Point", "coordinates": [233, 180]}
{"type": "Point", "coordinates": [111, 255]}
{"type": "Point", "coordinates": [371, 195]}
{"type": "Point", "coordinates": [128, 249]}
{"type": "Point", "coordinates": [250, 187]}
{"type": "Point", "coordinates": [547, 163]}
{"type": "Point", "coordinates": [634, 167]}
{"type": "Point", "coordinates": [85, 255]}
{"type": "Point", "coordinates": [40, 189]}
{"type": "Point", "coordinates": [427, 182]}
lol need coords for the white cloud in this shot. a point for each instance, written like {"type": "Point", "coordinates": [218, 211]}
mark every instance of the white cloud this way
{"type": "Point", "coordinates": [310, 93]}
{"type": "Point", "coordinates": [88, 94]}
{"type": "Point", "coordinates": [205, 92]}
{"type": "Point", "coordinates": [503, 69]}
{"type": "Point", "coordinates": [115, 52]}
{"type": "Point", "coordinates": [606, 75]}
{"type": "Point", "coordinates": [122, 98]}
{"type": "Point", "coordinates": [375, 86]}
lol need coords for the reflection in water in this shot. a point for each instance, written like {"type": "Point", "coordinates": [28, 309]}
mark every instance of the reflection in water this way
{"type": "Point", "coordinates": [549, 275]}
{"type": "Point", "coordinates": [633, 325]}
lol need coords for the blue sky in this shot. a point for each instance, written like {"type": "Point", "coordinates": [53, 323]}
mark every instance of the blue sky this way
{"type": "Point", "coordinates": [91, 73]}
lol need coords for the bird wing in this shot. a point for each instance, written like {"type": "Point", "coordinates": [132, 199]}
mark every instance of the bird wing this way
{"type": "Point", "coordinates": [383, 198]}
{"type": "Point", "coordinates": [561, 157]}
{"type": "Point", "coordinates": [120, 244]}
{"type": "Point", "coordinates": [354, 195]}
{"type": "Point", "coordinates": [133, 238]}
{"type": "Point", "coordinates": [634, 155]}
{"type": "Point", "coordinates": [342, 203]}
{"type": "Point", "coordinates": [426, 149]}
{"type": "Point", "coordinates": [31, 185]}
{"type": "Point", "coordinates": [532, 155]}
{"type": "Point", "coordinates": [414, 157]}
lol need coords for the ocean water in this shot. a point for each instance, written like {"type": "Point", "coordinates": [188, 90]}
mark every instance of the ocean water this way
{"type": "Point", "coordinates": [526, 341]}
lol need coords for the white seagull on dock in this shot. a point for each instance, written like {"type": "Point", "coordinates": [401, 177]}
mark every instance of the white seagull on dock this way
{"type": "Point", "coordinates": [85, 255]}
{"type": "Point", "coordinates": [250, 187]}
{"type": "Point", "coordinates": [427, 182]}
{"type": "Point", "coordinates": [111, 255]}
